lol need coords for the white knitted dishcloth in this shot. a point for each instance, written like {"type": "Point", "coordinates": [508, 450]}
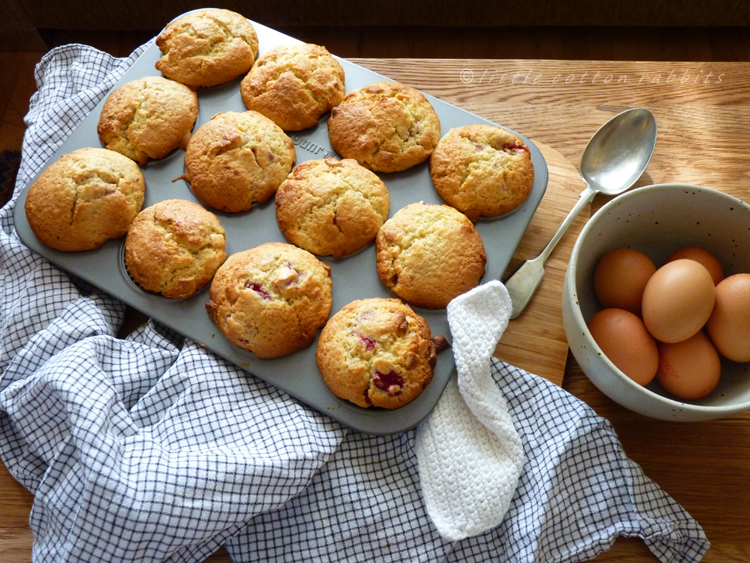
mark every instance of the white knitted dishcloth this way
{"type": "Point", "coordinates": [469, 453]}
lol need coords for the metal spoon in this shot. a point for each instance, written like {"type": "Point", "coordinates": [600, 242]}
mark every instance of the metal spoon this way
{"type": "Point", "coordinates": [613, 160]}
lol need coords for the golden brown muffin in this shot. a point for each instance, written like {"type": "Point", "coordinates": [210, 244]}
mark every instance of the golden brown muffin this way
{"type": "Point", "coordinates": [386, 127]}
{"type": "Point", "coordinates": [85, 198]}
{"type": "Point", "coordinates": [271, 299]}
{"type": "Point", "coordinates": [429, 254]}
{"type": "Point", "coordinates": [331, 207]}
{"type": "Point", "coordinates": [174, 248]}
{"type": "Point", "coordinates": [207, 47]}
{"type": "Point", "coordinates": [482, 170]}
{"type": "Point", "coordinates": [148, 118]}
{"type": "Point", "coordinates": [294, 85]}
{"type": "Point", "coordinates": [238, 159]}
{"type": "Point", "coordinates": [377, 352]}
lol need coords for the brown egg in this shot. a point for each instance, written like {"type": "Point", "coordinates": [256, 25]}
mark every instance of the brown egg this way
{"type": "Point", "coordinates": [729, 324]}
{"type": "Point", "coordinates": [620, 278]}
{"type": "Point", "coordinates": [702, 256]}
{"type": "Point", "coordinates": [625, 341]}
{"type": "Point", "coordinates": [689, 369]}
{"type": "Point", "coordinates": [678, 300]}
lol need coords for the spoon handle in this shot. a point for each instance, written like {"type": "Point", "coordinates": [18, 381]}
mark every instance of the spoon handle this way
{"type": "Point", "coordinates": [526, 279]}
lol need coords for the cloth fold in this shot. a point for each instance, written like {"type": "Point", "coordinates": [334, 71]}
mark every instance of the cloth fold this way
{"type": "Point", "coordinates": [470, 455]}
{"type": "Point", "coordinates": [153, 449]}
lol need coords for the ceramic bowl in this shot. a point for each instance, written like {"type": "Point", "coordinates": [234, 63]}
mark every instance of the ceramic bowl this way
{"type": "Point", "coordinates": [657, 220]}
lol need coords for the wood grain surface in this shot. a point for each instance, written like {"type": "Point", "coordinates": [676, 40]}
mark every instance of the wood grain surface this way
{"type": "Point", "coordinates": [703, 114]}
{"type": "Point", "coordinates": [535, 340]}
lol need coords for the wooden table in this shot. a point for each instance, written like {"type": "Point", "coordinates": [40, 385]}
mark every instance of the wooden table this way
{"type": "Point", "coordinates": [703, 115]}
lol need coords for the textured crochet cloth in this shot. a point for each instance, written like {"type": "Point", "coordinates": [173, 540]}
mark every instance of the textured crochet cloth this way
{"type": "Point", "coordinates": [470, 455]}
{"type": "Point", "coordinates": [151, 448]}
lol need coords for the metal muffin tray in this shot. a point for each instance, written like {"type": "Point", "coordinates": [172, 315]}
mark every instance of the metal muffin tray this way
{"type": "Point", "coordinates": [354, 276]}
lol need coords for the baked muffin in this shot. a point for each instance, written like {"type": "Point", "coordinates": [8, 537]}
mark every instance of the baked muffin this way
{"type": "Point", "coordinates": [482, 170]}
{"type": "Point", "coordinates": [271, 299]}
{"type": "Point", "coordinates": [207, 47]}
{"type": "Point", "coordinates": [429, 254]}
{"type": "Point", "coordinates": [174, 248]}
{"type": "Point", "coordinates": [377, 352]}
{"type": "Point", "coordinates": [85, 198]}
{"type": "Point", "coordinates": [386, 126]}
{"type": "Point", "coordinates": [331, 207]}
{"type": "Point", "coordinates": [148, 118]}
{"type": "Point", "coordinates": [238, 159]}
{"type": "Point", "coordinates": [294, 85]}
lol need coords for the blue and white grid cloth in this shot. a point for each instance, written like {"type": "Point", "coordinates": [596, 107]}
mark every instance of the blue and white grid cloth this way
{"type": "Point", "coordinates": [151, 448]}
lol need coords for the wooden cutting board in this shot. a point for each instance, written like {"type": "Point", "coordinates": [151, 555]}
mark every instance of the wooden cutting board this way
{"type": "Point", "coordinates": [535, 340]}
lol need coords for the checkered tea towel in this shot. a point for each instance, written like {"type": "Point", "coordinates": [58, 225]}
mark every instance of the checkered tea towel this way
{"type": "Point", "coordinates": [151, 448]}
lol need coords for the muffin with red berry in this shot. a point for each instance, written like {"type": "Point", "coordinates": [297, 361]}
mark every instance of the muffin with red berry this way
{"type": "Point", "coordinates": [272, 299]}
{"type": "Point", "coordinates": [482, 170]}
{"type": "Point", "coordinates": [429, 254]}
{"type": "Point", "coordinates": [377, 353]}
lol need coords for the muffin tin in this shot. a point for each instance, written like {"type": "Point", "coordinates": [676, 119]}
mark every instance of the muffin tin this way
{"type": "Point", "coordinates": [354, 276]}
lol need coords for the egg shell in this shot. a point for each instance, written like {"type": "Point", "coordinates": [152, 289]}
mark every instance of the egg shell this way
{"type": "Point", "coordinates": [678, 300]}
{"type": "Point", "coordinates": [729, 324]}
{"type": "Point", "coordinates": [689, 369]}
{"type": "Point", "coordinates": [620, 278]}
{"type": "Point", "coordinates": [702, 256]}
{"type": "Point", "coordinates": [623, 338]}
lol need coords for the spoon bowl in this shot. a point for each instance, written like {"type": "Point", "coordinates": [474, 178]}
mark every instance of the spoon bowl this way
{"type": "Point", "coordinates": [619, 152]}
{"type": "Point", "coordinates": [611, 163]}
